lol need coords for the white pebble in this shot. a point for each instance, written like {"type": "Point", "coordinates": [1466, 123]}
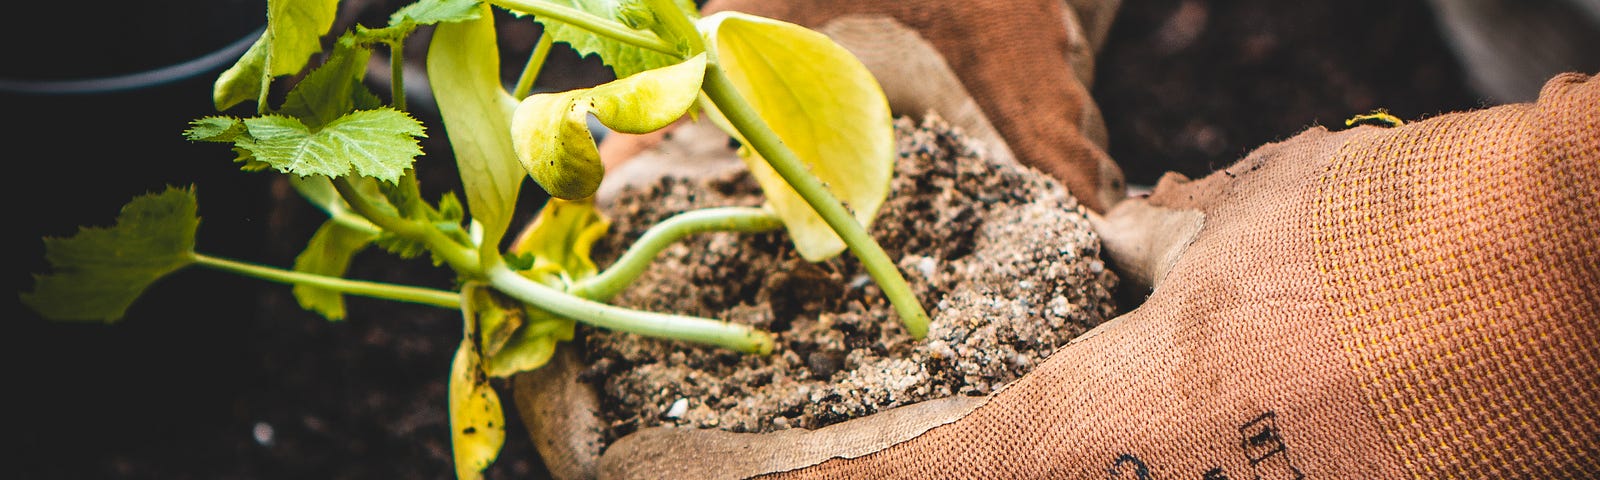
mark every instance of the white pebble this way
{"type": "Point", "coordinates": [928, 268]}
{"type": "Point", "coordinates": [678, 408]}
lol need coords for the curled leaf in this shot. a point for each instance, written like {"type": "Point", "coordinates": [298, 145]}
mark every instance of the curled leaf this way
{"type": "Point", "coordinates": [825, 106]}
{"type": "Point", "coordinates": [242, 81]}
{"type": "Point", "coordinates": [550, 131]}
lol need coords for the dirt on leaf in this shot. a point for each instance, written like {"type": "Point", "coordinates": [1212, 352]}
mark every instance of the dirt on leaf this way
{"type": "Point", "coordinates": [1001, 256]}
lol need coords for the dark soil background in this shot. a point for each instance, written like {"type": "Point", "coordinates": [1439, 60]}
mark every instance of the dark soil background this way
{"type": "Point", "coordinates": [217, 376]}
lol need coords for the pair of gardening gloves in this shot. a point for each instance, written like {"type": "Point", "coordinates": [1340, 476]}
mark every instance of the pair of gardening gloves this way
{"type": "Point", "coordinates": [1400, 300]}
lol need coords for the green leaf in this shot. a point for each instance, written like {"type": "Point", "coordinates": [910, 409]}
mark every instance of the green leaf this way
{"type": "Point", "coordinates": [328, 253]}
{"type": "Point", "coordinates": [464, 73]}
{"type": "Point", "coordinates": [244, 80]}
{"type": "Point", "coordinates": [334, 88]}
{"type": "Point", "coordinates": [376, 143]}
{"type": "Point", "coordinates": [624, 59]}
{"type": "Point", "coordinates": [428, 12]}
{"type": "Point", "coordinates": [551, 134]}
{"type": "Point", "coordinates": [294, 32]}
{"type": "Point", "coordinates": [215, 129]}
{"type": "Point", "coordinates": [477, 422]}
{"type": "Point", "coordinates": [824, 104]}
{"type": "Point", "coordinates": [99, 272]}
{"type": "Point", "coordinates": [401, 246]}
{"type": "Point", "coordinates": [226, 130]}
{"type": "Point", "coordinates": [247, 161]}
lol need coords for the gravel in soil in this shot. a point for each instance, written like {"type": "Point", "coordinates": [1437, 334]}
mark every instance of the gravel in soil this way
{"type": "Point", "coordinates": [1001, 255]}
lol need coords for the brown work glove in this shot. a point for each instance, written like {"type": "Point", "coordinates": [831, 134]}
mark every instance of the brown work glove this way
{"type": "Point", "coordinates": [1414, 301]}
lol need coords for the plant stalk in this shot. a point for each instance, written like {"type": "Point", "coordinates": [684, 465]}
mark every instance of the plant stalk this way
{"type": "Point", "coordinates": [744, 118]}
{"type": "Point", "coordinates": [530, 71]}
{"type": "Point", "coordinates": [662, 235]}
{"type": "Point", "coordinates": [460, 257]}
{"type": "Point", "coordinates": [674, 26]}
{"type": "Point", "coordinates": [397, 73]}
{"type": "Point", "coordinates": [591, 22]}
{"type": "Point", "coordinates": [386, 291]}
{"type": "Point", "coordinates": [732, 336]}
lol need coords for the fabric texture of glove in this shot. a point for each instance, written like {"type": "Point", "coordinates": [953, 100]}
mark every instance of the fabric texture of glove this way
{"type": "Point", "coordinates": [1415, 301]}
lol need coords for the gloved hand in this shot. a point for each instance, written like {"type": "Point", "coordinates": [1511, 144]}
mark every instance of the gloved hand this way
{"type": "Point", "coordinates": [1366, 303]}
{"type": "Point", "coordinates": [1415, 301]}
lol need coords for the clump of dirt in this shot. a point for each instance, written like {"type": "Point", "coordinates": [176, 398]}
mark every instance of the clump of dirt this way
{"type": "Point", "coordinates": [1001, 255]}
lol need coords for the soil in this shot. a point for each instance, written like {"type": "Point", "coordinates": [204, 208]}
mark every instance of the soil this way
{"type": "Point", "coordinates": [1001, 255]}
{"type": "Point", "coordinates": [215, 376]}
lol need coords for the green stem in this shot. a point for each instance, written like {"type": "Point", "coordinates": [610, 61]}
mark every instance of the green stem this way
{"type": "Point", "coordinates": [675, 26]}
{"type": "Point", "coordinates": [351, 220]}
{"type": "Point", "coordinates": [397, 73]}
{"type": "Point", "coordinates": [591, 22]}
{"type": "Point", "coordinates": [460, 257]}
{"type": "Point", "coordinates": [266, 81]}
{"type": "Point", "coordinates": [530, 71]}
{"type": "Point", "coordinates": [411, 191]}
{"type": "Point", "coordinates": [783, 160]}
{"type": "Point", "coordinates": [386, 291]}
{"type": "Point", "coordinates": [732, 336]}
{"type": "Point", "coordinates": [662, 235]}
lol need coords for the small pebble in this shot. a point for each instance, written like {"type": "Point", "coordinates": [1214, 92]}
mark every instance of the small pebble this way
{"type": "Point", "coordinates": [677, 409]}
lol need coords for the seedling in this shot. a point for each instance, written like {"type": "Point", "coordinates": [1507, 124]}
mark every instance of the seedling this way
{"type": "Point", "coordinates": [814, 124]}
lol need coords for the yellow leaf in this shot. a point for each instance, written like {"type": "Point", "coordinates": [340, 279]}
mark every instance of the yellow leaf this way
{"type": "Point", "coordinates": [464, 72]}
{"type": "Point", "coordinates": [514, 337]}
{"type": "Point", "coordinates": [550, 131]}
{"type": "Point", "coordinates": [825, 106]}
{"type": "Point", "coordinates": [477, 423]}
{"type": "Point", "coordinates": [562, 236]}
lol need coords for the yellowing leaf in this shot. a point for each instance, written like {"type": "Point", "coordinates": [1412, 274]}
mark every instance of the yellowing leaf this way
{"type": "Point", "coordinates": [294, 32]}
{"type": "Point", "coordinates": [551, 135]}
{"type": "Point", "coordinates": [531, 346]}
{"type": "Point", "coordinates": [561, 238]}
{"type": "Point", "coordinates": [242, 81]}
{"type": "Point", "coordinates": [825, 106]}
{"type": "Point", "coordinates": [329, 253]}
{"type": "Point", "coordinates": [515, 337]}
{"type": "Point", "coordinates": [464, 72]}
{"type": "Point", "coordinates": [477, 422]}
{"type": "Point", "coordinates": [519, 337]}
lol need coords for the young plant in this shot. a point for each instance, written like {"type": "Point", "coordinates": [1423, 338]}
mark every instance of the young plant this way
{"type": "Point", "coordinates": [814, 125]}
